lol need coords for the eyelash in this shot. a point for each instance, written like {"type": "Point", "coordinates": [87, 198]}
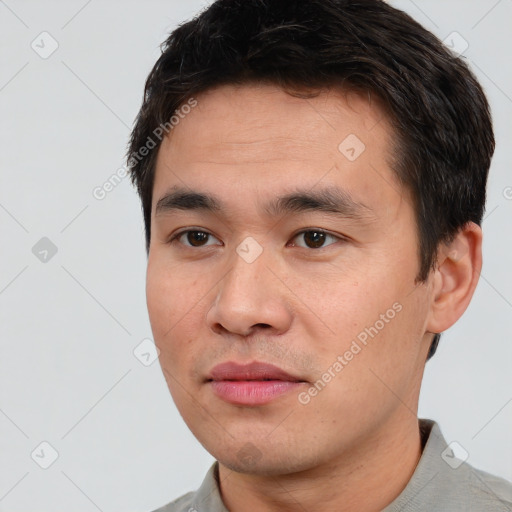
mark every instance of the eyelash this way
{"type": "Point", "coordinates": [178, 235]}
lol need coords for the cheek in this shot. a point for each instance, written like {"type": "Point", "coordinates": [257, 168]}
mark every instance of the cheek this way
{"type": "Point", "coordinates": [347, 301]}
{"type": "Point", "coordinates": [159, 298]}
{"type": "Point", "coordinates": [376, 321]}
{"type": "Point", "coordinates": [169, 293]}
{"type": "Point", "coordinates": [163, 304]}
{"type": "Point", "coordinates": [176, 304]}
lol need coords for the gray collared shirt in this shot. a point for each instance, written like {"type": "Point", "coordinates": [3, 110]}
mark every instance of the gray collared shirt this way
{"type": "Point", "coordinates": [440, 483]}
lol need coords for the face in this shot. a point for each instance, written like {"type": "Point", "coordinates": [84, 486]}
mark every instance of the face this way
{"type": "Point", "coordinates": [320, 283]}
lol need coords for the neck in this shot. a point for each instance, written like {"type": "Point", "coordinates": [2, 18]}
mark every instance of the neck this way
{"type": "Point", "coordinates": [367, 479]}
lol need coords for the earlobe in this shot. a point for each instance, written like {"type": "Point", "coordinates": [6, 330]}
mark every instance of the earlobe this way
{"type": "Point", "coordinates": [455, 278]}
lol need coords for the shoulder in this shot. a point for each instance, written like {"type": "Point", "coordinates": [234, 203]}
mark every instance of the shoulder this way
{"type": "Point", "coordinates": [456, 483]}
{"type": "Point", "coordinates": [182, 504]}
{"type": "Point", "coordinates": [487, 489]}
{"type": "Point", "coordinates": [206, 498]}
{"type": "Point", "coordinates": [464, 483]}
{"type": "Point", "coordinates": [444, 483]}
{"type": "Point", "coordinates": [466, 488]}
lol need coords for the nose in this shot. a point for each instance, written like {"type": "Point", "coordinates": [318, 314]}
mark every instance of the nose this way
{"type": "Point", "coordinates": [251, 296]}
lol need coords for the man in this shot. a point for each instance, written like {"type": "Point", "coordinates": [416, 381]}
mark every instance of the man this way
{"type": "Point", "coordinates": [312, 176]}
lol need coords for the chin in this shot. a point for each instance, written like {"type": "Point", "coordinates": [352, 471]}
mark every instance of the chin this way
{"type": "Point", "coordinates": [251, 460]}
{"type": "Point", "coordinates": [260, 468]}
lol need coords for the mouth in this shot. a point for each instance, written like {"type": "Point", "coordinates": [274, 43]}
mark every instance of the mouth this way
{"type": "Point", "coordinates": [252, 384]}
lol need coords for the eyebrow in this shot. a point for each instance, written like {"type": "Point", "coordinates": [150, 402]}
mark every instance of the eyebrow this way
{"type": "Point", "coordinates": [330, 200]}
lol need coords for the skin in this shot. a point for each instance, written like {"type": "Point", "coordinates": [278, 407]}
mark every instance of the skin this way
{"type": "Point", "coordinates": [354, 445]}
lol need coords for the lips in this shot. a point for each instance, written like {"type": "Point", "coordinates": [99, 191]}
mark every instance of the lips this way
{"type": "Point", "coordinates": [256, 371]}
{"type": "Point", "coordinates": [251, 385]}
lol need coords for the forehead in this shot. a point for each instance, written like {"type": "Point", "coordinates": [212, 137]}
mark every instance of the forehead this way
{"type": "Point", "coordinates": [261, 138]}
{"type": "Point", "coordinates": [266, 115]}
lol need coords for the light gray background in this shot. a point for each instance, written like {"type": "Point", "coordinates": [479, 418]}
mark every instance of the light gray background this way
{"type": "Point", "coordinates": [69, 326]}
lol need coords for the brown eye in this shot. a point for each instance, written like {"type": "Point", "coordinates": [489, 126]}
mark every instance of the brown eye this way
{"type": "Point", "coordinates": [314, 239]}
{"type": "Point", "coordinates": [194, 238]}
{"type": "Point", "coordinates": [197, 238]}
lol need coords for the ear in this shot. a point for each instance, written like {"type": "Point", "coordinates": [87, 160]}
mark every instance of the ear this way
{"type": "Point", "coordinates": [458, 268]}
